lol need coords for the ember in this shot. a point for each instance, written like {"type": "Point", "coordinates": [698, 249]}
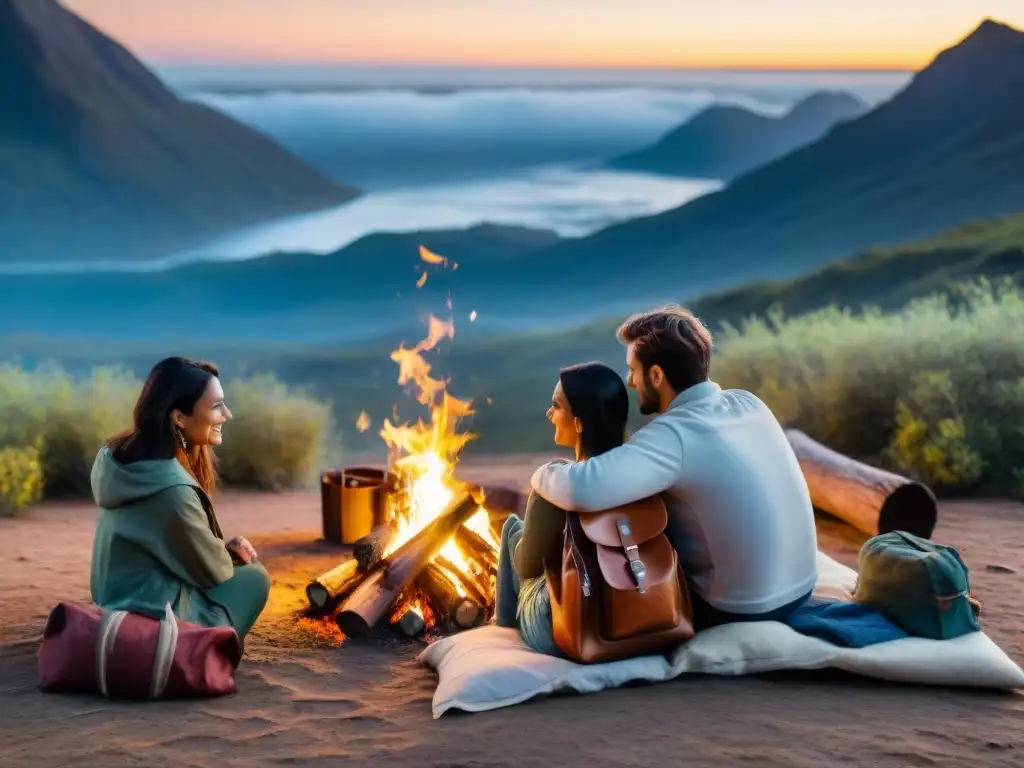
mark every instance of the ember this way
{"type": "Point", "coordinates": [435, 563]}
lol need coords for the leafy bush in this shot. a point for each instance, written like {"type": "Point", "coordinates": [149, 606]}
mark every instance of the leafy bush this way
{"type": "Point", "coordinates": [21, 479]}
{"type": "Point", "coordinates": [277, 439]}
{"type": "Point", "coordinates": [935, 391]}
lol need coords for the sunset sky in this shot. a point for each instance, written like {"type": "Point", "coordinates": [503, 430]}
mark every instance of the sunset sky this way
{"type": "Point", "coordinates": [764, 34]}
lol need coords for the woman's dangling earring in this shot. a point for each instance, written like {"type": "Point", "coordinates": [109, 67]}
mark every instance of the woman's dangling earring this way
{"type": "Point", "coordinates": [182, 440]}
{"type": "Point", "coordinates": [579, 437]}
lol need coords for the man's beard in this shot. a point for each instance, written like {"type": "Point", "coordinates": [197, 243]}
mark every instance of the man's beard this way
{"type": "Point", "coordinates": [648, 398]}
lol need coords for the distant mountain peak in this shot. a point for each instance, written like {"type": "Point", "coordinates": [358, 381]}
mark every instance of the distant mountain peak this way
{"type": "Point", "coordinates": [839, 103]}
{"type": "Point", "coordinates": [725, 140]}
{"type": "Point", "coordinates": [985, 46]}
{"type": "Point", "coordinates": [989, 29]}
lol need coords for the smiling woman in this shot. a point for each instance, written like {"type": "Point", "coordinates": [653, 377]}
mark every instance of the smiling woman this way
{"type": "Point", "coordinates": [158, 541]}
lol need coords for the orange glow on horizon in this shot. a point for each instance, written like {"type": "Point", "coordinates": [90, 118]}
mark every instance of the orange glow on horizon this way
{"type": "Point", "coordinates": [647, 34]}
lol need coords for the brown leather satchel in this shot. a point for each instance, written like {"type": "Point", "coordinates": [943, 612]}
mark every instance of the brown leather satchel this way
{"type": "Point", "coordinates": [618, 591]}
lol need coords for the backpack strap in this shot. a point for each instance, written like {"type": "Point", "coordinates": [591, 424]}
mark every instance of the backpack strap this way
{"type": "Point", "coordinates": [636, 565]}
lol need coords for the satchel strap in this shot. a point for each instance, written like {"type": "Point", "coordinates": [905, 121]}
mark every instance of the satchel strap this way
{"type": "Point", "coordinates": [636, 565]}
{"type": "Point", "coordinates": [581, 566]}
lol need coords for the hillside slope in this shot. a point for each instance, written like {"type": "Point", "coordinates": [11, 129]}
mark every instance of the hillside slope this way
{"type": "Point", "coordinates": [99, 159]}
{"type": "Point", "coordinates": [356, 291]}
{"type": "Point", "coordinates": [887, 278]}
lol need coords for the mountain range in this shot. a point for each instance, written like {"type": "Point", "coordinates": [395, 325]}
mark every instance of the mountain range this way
{"type": "Point", "coordinates": [354, 293]}
{"type": "Point", "coordinates": [946, 149]}
{"type": "Point", "coordinates": [98, 156]}
{"type": "Point", "coordinates": [725, 141]}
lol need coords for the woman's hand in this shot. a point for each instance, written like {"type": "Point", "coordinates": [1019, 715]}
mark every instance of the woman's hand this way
{"type": "Point", "coordinates": [241, 551]}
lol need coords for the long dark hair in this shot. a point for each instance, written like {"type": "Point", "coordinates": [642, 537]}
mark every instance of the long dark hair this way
{"type": "Point", "coordinates": [599, 400]}
{"type": "Point", "coordinates": [175, 383]}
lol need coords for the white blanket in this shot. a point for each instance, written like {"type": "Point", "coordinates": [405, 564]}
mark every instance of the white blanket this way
{"type": "Point", "coordinates": [489, 667]}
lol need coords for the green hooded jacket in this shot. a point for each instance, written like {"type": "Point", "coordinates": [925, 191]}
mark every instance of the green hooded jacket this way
{"type": "Point", "coordinates": [157, 541]}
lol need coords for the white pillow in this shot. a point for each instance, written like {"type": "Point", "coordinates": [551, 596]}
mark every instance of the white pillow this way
{"type": "Point", "coordinates": [490, 667]}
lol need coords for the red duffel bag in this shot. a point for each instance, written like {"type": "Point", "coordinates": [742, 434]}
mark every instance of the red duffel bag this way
{"type": "Point", "coordinates": [127, 655]}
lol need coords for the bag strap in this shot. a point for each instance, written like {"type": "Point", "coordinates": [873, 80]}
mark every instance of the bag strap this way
{"type": "Point", "coordinates": [166, 644]}
{"type": "Point", "coordinates": [636, 565]}
{"type": "Point", "coordinates": [581, 566]}
{"type": "Point", "coordinates": [106, 636]}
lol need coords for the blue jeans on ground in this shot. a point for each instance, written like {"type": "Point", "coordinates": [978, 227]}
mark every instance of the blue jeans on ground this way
{"type": "Point", "coordinates": [522, 603]}
{"type": "Point", "coordinates": [706, 615]}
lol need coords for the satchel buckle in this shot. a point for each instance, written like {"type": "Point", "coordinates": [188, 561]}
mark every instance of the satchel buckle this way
{"type": "Point", "coordinates": [639, 573]}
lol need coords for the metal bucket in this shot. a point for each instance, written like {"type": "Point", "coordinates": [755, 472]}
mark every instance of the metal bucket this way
{"type": "Point", "coordinates": [353, 501]}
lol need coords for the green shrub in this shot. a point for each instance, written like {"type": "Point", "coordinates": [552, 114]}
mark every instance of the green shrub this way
{"type": "Point", "coordinates": [935, 391]}
{"type": "Point", "coordinates": [70, 418]}
{"type": "Point", "coordinates": [277, 440]}
{"type": "Point", "coordinates": [21, 479]}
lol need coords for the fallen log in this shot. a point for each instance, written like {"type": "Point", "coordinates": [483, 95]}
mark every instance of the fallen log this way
{"type": "Point", "coordinates": [468, 615]}
{"type": "Point", "coordinates": [370, 549]}
{"type": "Point", "coordinates": [445, 600]}
{"type": "Point", "coordinates": [330, 586]}
{"type": "Point", "coordinates": [868, 498]}
{"type": "Point", "coordinates": [370, 601]}
{"type": "Point", "coordinates": [476, 549]}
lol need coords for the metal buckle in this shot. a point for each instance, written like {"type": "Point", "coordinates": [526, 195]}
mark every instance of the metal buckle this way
{"type": "Point", "coordinates": [639, 573]}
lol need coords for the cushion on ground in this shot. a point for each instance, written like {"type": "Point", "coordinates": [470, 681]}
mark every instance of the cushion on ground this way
{"type": "Point", "coordinates": [489, 667]}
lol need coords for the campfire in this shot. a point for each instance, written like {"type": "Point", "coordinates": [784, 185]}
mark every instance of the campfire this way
{"type": "Point", "coordinates": [433, 561]}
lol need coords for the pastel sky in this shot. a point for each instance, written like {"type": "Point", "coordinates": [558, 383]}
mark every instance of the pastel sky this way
{"type": "Point", "coordinates": [763, 34]}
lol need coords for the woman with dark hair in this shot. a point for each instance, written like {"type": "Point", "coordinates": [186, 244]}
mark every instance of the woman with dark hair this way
{"type": "Point", "coordinates": [589, 409]}
{"type": "Point", "coordinates": [157, 537]}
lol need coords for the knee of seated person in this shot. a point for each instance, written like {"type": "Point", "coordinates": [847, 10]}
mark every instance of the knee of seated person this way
{"type": "Point", "coordinates": [510, 526]}
{"type": "Point", "coordinates": [258, 578]}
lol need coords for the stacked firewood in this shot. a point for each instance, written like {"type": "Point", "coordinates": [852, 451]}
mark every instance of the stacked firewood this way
{"type": "Point", "coordinates": [369, 588]}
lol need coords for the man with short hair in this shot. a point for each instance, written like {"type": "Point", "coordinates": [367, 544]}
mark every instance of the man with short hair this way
{"type": "Point", "coordinates": [740, 514]}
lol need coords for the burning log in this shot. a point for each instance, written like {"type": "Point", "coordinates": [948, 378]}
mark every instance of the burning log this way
{"type": "Point", "coordinates": [445, 599]}
{"type": "Point", "coordinates": [411, 623]}
{"type": "Point", "coordinates": [870, 499]}
{"type": "Point", "coordinates": [370, 601]}
{"type": "Point", "coordinates": [476, 591]}
{"type": "Point", "coordinates": [330, 586]}
{"type": "Point", "coordinates": [370, 549]}
{"type": "Point", "coordinates": [476, 549]}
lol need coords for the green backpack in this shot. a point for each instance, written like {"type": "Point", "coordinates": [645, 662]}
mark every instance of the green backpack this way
{"type": "Point", "coordinates": [922, 586]}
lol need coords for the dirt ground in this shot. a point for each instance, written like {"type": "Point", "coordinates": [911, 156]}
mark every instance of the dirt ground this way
{"type": "Point", "coordinates": [302, 699]}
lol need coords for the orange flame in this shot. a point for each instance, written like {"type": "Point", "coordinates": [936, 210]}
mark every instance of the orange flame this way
{"type": "Point", "coordinates": [363, 422]}
{"type": "Point", "coordinates": [425, 453]}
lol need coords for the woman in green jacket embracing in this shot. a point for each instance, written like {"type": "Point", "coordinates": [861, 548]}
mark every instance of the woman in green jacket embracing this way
{"type": "Point", "coordinates": [157, 537]}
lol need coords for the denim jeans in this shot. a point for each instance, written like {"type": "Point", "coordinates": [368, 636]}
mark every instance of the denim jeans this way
{"type": "Point", "coordinates": [522, 603]}
{"type": "Point", "coordinates": [706, 615]}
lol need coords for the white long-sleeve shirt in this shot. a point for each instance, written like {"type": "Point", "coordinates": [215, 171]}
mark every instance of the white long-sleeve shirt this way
{"type": "Point", "coordinates": [740, 514]}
